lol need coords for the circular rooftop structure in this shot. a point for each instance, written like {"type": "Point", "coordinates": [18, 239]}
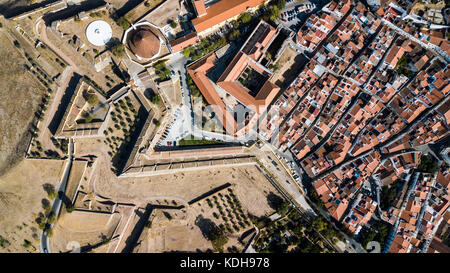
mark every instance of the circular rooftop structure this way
{"type": "Point", "coordinates": [98, 33]}
{"type": "Point", "coordinates": [143, 42]}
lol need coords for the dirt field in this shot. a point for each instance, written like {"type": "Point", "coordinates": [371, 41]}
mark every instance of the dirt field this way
{"type": "Point", "coordinates": [76, 173]}
{"type": "Point", "coordinates": [20, 95]}
{"type": "Point", "coordinates": [250, 185]}
{"type": "Point", "coordinates": [164, 13]}
{"type": "Point", "coordinates": [82, 227]}
{"type": "Point", "coordinates": [21, 195]}
{"type": "Point", "coordinates": [183, 231]}
{"type": "Point", "coordinates": [178, 234]}
{"type": "Point", "coordinates": [286, 66]}
{"type": "Point", "coordinates": [142, 9]}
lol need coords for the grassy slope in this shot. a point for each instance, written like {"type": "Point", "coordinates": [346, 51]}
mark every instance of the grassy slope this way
{"type": "Point", "coordinates": [20, 94]}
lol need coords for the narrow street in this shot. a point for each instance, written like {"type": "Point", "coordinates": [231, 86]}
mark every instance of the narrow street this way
{"type": "Point", "coordinates": [57, 203]}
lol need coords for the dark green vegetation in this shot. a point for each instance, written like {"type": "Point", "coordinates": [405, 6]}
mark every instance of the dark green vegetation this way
{"type": "Point", "coordinates": [3, 242]}
{"type": "Point", "coordinates": [17, 44]}
{"type": "Point", "coordinates": [130, 121]}
{"type": "Point", "coordinates": [38, 72]}
{"type": "Point", "coordinates": [325, 228]}
{"type": "Point", "coordinates": [378, 231]}
{"type": "Point", "coordinates": [90, 98]}
{"type": "Point", "coordinates": [291, 234]}
{"type": "Point", "coordinates": [389, 193]}
{"type": "Point", "coordinates": [70, 208]}
{"type": "Point", "coordinates": [204, 47]}
{"type": "Point", "coordinates": [428, 164]}
{"type": "Point", "coordinates": [274, 11]}
{"type": "Point", "coordinates": [229, 209]}
{"type": "Point", "coordinates": [191, 141]}
{"type": "Point", "coordinates": [155, 99]}
{"type": "Point", "coordinates": [161, 71]}
{"type": "Point", "coordinates": [173, 24]}
{"type": "Point", "coordinates": [245, 17]}
{"type": "Point", "coordinates": [280, 205]}
{"type": "Point", "coordinates": [314, 197]}
{"type": "Point", "coordinates": [123, 23]}
{"type": "Point", "coordinates": [446, 238]}
{"type": "Point", "coordinates": [245, 22]}
{"type": "Point", "coordinates": [194, 89]}
{"type": "Point", "coordinates": [118, 50]}
{"type": "Point", "coordinates": [402, 66]}
{"type": "Point", "coordinates": [195, 92]}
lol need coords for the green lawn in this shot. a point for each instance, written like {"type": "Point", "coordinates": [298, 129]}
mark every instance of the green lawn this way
{"type": "Point", "coordinates": [190, 141]}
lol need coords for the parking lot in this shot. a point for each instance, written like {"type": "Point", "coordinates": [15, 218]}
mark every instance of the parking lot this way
{"type": "Point", "coordinates": [296, 12]}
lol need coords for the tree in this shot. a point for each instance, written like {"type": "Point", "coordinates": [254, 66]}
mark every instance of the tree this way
{"type": "Point", "coordinates": [319, 224]}
{"type": "Point", "coordinates": [88, 119]}
{"type": "Point", "coordinates": [70, 208]}
{"type": "Point", "coordinates": [123, 23]}
{"type": "Point", "coordinates": [427, 164]}
{"type": "Point", "coordinates": [274, 13]}
{"type": "Point", "coordinates": [51, 219]}
{"type": "Point", "coordinates": [281, 4]}
{"type": "Point", "coordinates": [52, 194]}
{"type": "Point", "coordinates": [218, 238]}
{"type": "Point", "coordinates": [186, 52]}
{"type": "Point", "coordinates": [118, 50]}
{"type": "Point", "coordinates": [17, 44]}
{"type": "Point", "coordinates": [49, 232]}
{"type": "Point", "coordinates": [173, 24]}
{"type": "Point", "coordinates": [156, 99]}
{"type": "Point", "coordinates": [245, 17]}
{"type": "Point", "coordinates": [235, 34]}
{"type": "Point", "coordinates": [92, 99]}
{"type": "Point", "coordinates": [26, 243]}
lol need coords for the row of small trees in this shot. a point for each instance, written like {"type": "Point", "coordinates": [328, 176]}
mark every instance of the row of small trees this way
{"type": "Point", "coordinates": [204, 47]}
{"type": "Point", "coordinates": [124, 116]}
{"type": "Point", "coordinates": [231, 213]}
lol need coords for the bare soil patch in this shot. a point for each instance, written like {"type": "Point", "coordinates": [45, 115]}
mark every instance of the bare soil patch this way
{"type": "Point", "coordinates": [21, 201]}
{"type": "Point", "coordinates": [287, 66]}
{"type": "Point", "coordinates": [84, 228]}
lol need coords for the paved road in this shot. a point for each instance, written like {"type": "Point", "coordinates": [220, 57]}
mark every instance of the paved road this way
{"type": "Point", "coordinates": [178, 64]}
{"type": "Point", "coordinates": [57, 203]}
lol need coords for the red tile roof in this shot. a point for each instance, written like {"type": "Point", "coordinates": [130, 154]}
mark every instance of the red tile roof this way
{"type": "Point", "coordinates": [222, 11]}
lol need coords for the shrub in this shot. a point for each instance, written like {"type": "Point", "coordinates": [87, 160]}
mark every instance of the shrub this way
{"type": "Point", "coordinates": [17, 44]}
{"type": "Point", "coordinates": [118, 50]}
{"type": "Point", "coordinates": [70, 208]}
{"type": "Point", "coordinates": [123, 23]}
{"type": "Point", "coordinates": [173, 24]}
{"type": "Point", "coordinates": [245, 17]}
{"type": "Point", "coordinates": [26, 243]}
{"type": "Point", "coordinates": [155, 99]}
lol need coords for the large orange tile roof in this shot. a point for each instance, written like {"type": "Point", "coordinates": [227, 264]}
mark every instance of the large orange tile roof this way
{"type": "Point", "coordinates": [198, 73]}
{"type": "Point", "coordinates": [222, 11]}
{"type": "Point", "coordinates": [184, 41]}
{"type": "Point", "coordinates": [228, 81]}
{"type": "Point", "coordinates": [200, 7]}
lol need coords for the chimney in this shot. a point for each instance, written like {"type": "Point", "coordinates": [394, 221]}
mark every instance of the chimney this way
{"type": "Point", "coordinates": [200, 7]}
